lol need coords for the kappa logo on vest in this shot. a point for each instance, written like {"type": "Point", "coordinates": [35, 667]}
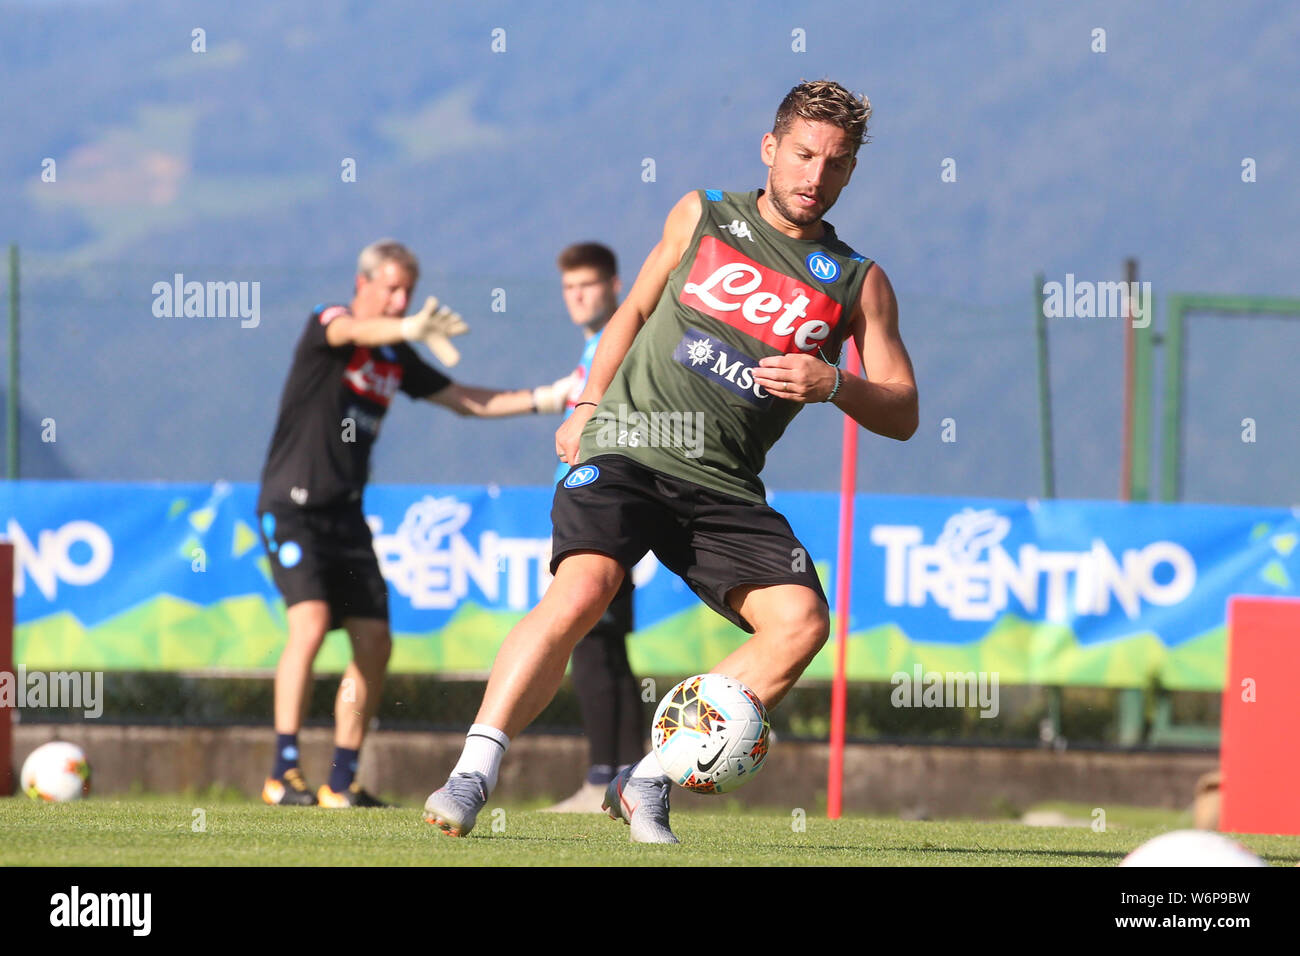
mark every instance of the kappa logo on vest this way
{"type": "Point", "coordinates": [722, 365]}
{"type": "Point", "coordinates": [738, 228]}
{"type": "Point", "coordinates": [782, 311]}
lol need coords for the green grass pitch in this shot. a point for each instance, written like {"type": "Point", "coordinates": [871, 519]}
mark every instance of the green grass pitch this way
{"type": "Point", "coordinates": [212, 832]}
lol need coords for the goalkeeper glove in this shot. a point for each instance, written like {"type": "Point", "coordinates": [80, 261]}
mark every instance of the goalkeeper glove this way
{"type": "Point", "coordinates": [435, 325]}
{"type": "Point", "coordinates": [549, 399]}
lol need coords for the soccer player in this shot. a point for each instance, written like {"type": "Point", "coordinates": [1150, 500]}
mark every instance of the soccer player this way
{"type": "Point", "coordinates": [735, 322]}
{"type": "Point", "coordinates": [349, 363]}
{"type": "Point", "coordinates": [602, 677]}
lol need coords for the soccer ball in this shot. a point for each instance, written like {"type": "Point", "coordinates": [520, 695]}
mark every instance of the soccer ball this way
{"type": "Point", "coordinates": [1191, 848]}
{"type": "Point", "coordinates": [710, 733]}
{"type": "Point", "coordinates": [56, 773]}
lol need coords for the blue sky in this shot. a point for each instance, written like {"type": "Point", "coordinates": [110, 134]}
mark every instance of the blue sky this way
{"type": "Point", "coordinates": [1067, 159]}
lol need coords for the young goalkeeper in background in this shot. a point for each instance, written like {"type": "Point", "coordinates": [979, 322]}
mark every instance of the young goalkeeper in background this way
{"type": "Point", "coordinates": [607, 690]}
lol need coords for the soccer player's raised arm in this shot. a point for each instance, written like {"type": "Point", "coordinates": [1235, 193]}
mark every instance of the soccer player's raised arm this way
{"type": "Point", "coordinates": [434, 325]}
{"type": "Point", "coordinates": [626, 322]}
{"type": "Point", "coordinates": [885, 400]}
{"type": "Point", "coordinates": [496, 403]}
{"type": "Point", "coordinates": [367, 331]}
{"type": "Point", "coordinates": [472, 400]}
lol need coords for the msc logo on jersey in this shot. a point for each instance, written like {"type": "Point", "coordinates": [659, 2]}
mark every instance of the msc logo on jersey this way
{"type": "Point", "coordinates": [823, 267]}
{"type": "Point", "coordinates": [722, 365]}
{"type": "Point", "coordinates": [582, 476]}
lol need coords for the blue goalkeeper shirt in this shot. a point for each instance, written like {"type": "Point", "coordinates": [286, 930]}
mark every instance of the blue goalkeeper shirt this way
{"type": "Point", "coordinates": [579, 383]}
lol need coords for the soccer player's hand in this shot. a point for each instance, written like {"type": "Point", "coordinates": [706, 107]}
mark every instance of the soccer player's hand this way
{"type": "Point", "coordinates": [435, 325]}
{"type": "Point", "coordinates": [569, 435]}
{"type": "Point", "coordinates": [799, 378]}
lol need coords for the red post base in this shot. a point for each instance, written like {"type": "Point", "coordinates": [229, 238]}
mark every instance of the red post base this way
{"type": "Point", "coordinates": [1260, 748]}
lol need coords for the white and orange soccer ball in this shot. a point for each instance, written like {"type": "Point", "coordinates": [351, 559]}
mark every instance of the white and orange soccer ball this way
{"type": "Point", "coordinates": [1191, 848]}
{"type": "Point", "coordinates": [710, 734]}
{"type": "Point", "coordinates": [56, 773]}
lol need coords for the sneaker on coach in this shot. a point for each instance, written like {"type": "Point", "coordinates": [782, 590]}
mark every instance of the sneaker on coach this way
{"type": "Point", "coordinates": [454, 808]}
{"type": "Point", "coordinates": [353, 796]}
{"type": "Point", "coordinates": [641, 803]}
{"type": "Point", "coordinates": [288, 791]}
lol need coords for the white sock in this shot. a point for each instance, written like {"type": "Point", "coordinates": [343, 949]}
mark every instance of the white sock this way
{"type": "Point", "coordinates": [648, 767]}
{"type": "Point", "coordinates": [484, 748]}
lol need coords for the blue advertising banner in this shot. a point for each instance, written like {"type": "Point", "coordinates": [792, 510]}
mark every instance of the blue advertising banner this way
{"type": "Point", "coordinates": [174, 576]}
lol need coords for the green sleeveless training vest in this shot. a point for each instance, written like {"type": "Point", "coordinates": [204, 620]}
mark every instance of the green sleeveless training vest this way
{"type": "Point", "coordinates": [684, 401]}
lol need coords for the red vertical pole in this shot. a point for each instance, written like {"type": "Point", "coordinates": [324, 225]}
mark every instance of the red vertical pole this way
{"type": "Point", "coordinates": [6, 665]}
{"type": "Point", "coordinates": [843, 579]}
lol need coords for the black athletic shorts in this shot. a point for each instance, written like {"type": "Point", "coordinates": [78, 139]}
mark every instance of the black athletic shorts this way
{"type": "Point", "coordinates": [325, 554]}
{"type": "Point", "coordinates": [714, 542]}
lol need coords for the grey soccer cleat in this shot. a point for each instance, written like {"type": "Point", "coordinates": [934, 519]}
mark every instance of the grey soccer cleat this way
{"type": "Point", "coordinates": [641, 803]}
{"type": "Point", "coordinates": [454, 808]}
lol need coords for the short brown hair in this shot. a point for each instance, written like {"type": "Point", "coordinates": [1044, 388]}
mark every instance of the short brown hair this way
{"type": "Point", "coordinates": [387, 250]}
{"type": "Point", "coordinates": [825, 101]}
{"type": "Point", "coordinates": [589, 254]}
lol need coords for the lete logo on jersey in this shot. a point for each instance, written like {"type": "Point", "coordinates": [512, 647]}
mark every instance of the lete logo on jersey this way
{"type": "Point", "coordinates": [373, 378]}
{"type": "Point", "coordinates": [769, 305]}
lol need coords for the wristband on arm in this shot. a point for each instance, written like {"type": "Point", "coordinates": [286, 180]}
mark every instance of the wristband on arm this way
{"type": "Point", "coordinates": [838, 378]}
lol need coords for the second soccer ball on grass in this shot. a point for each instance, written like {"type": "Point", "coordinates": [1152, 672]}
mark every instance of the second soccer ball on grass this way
{"type": "Point", "coordinates": [56, 772]}
{"type": "Point", "coordinates": [710, 733]}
